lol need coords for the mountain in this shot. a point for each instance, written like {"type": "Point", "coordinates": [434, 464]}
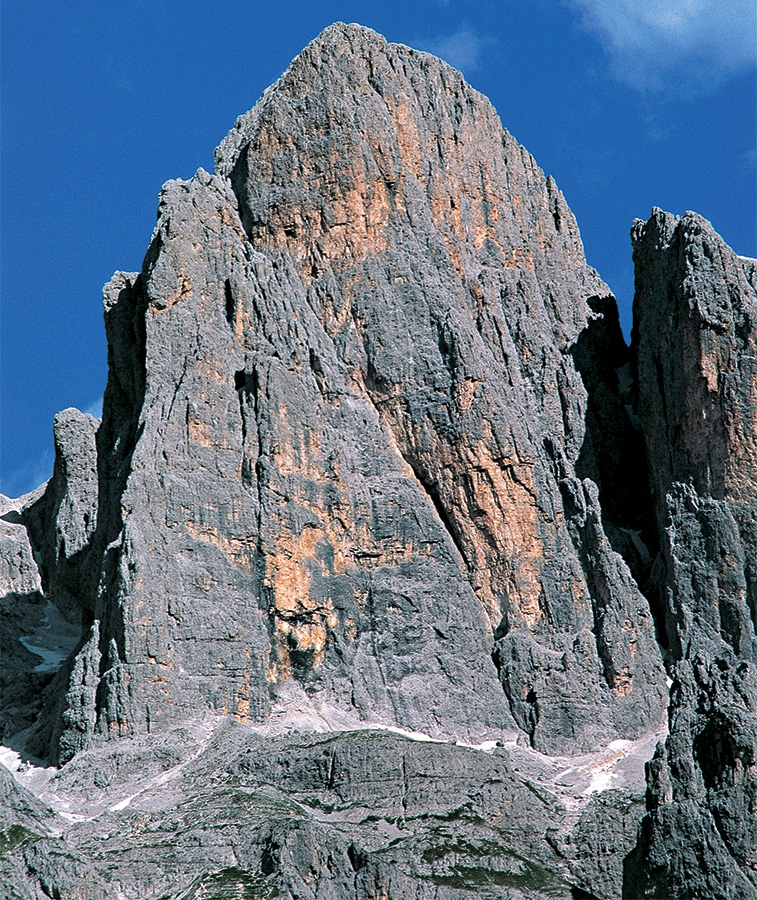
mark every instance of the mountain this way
{"type": "Point", "coordinates": [389, 563]}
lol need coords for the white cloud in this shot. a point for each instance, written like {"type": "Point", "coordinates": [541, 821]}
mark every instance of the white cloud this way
{"type": "Point", "coordinates": [95, 408]}
{"type": "Point", "coordinates": [462, 49]}
{"type": "Point", "coordinates": [674, 43]}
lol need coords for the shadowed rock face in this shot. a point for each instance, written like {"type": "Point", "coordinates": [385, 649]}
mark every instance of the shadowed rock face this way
{"type": "Point", "coordinates": [372, 437]}
{"type": "Point", "coordinates": [695, 345]}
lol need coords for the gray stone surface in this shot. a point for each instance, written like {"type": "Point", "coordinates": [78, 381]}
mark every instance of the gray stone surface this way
{"type": "Point", "coordinates": [35, 637]}
{"type": "Point", "coordinates": [36, 861]}
{"type": "Point", "coordinates": [374, 456]}
{"type": "Point", "coordinates": [62, 521]}
{"type": "Point", "coordinates": [340, 432]}
{"type": "Point", "coordinates": [216, 808]}
{"type": "Point", "coordinates": [695, 347]}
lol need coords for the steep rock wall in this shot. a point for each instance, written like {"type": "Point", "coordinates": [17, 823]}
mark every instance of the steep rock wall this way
{"type": "Point", "coordinates": [341, 427]}
{"type": "Point", "coordinates": [370, 442]}
{"type": "Point", "coordinates": [695, 345]}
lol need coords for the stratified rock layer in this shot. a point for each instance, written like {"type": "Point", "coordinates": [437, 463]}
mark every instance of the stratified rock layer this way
{"type": "Point", "coordinates": [222, 811]}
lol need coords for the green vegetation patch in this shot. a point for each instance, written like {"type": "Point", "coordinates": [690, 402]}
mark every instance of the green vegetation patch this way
{"type": "Point", "coordinates": [16, 836]}
{"type": "Point", "coordinates": [463, 813]}
{"type": "Point", "coordinates": [533, 878]}
{"type": "Point", "coordinates": [463, 847]}
{"type": "Point", "coordinates": [543, 794]}
{"type": "Point", "coordinates": [319, 804]}
{"type": "Point", "coordinates": [238, 805]}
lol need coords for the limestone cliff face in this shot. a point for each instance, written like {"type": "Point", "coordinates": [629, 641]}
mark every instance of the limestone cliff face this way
{"type": "Point", "coordinates": [340, 431]}
{"type": "Point", "coordinates": [695, 344]}
{"type": "Point", "coordinates": [372, 440]}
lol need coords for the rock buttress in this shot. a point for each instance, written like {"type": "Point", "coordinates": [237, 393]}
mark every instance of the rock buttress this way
{"type": "Point", "coordinates": [695, 346]}
{"type": "Point", "coordinates": [45, 571]}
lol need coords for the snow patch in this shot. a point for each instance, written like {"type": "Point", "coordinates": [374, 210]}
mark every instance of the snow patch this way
{"type": "Point", "coordinates": [53, 640]}
{"type": "Point", "coordinates": [10, 759]}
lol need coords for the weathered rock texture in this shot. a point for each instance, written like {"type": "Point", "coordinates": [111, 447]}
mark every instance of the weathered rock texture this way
{"type": "Point", "coordinates": [695, 346]}
{"type": "Point", "coordinates": [369, 434]}
{"type": "Point", "coordinates": [340, 432]}
{"type": "Point", "coordinates": [448, 276]}
{"type": "Point", "coordinates": [36, 862]}
{"type": "Point", "coordinates": [347, 816]}
{"type": "Point", "coordinates": [22, 608]}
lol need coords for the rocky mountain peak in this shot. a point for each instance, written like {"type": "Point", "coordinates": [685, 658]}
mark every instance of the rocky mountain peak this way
{"type": "Point", "coordinates": [363, 145]}
{"type": "Point", "coordinates": [374, 456]}
{"type": "Point", "coordinates": [352, 308]}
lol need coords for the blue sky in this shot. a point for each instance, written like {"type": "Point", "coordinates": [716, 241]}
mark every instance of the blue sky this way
{"type": "Point", "coordinates": [628, 103]}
